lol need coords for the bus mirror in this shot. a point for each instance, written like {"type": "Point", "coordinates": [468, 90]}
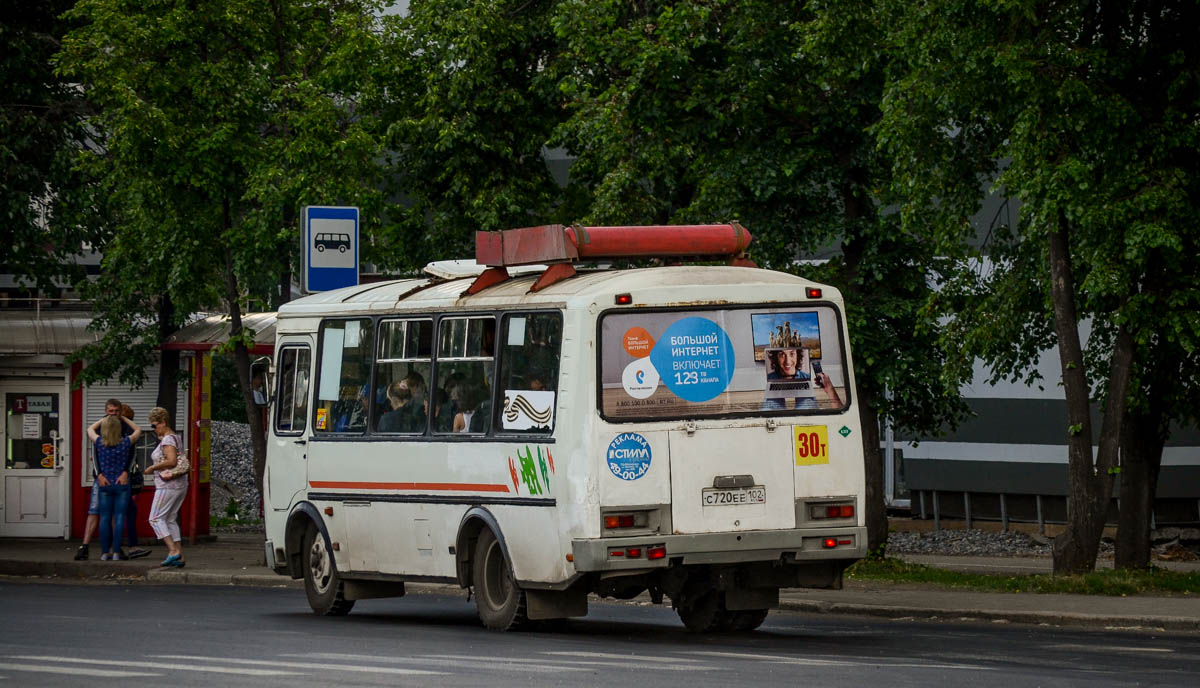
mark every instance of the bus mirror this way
{"type": "Point", "coordinates": [262, 368]}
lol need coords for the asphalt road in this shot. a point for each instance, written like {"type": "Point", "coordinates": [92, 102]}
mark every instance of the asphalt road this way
{"type": "Point", "coordinates": [89, 635]}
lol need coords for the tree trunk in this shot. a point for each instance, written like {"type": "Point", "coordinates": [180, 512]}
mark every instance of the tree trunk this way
{"type": "Point", "coordinates": [1140, 462]}
{"type": "Point", "coordinates": [241, 358]}
{"type": "Point", "coordinates": [1090, 482]}
{"type": "Point", "coordinates": [874, 499]}
{"type": "Point", "coordinates": [1076, 548]}
{"type": "Point", "coordinates": [1142, 443]}
{"type": "Point", "coordinates": [168, 371]}
{"type": "Point", "coordinates": [285, 252]}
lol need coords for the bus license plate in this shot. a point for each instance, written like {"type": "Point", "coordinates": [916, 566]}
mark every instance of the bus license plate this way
{"type": "Point", "coordinates": [755, 494]}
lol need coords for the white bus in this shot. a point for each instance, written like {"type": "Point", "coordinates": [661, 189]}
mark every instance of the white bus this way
{"type": "Point", "coordinates": [687, 431]}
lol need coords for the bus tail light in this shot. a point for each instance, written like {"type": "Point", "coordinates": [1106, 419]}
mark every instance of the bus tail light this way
{"type": "Point", "coordinates": [823, 511]}
{"type": "Point", "coordinates": [635, 519]}
{"type": "Point", "coordinates": [830, 543]}
{"type": "Point", "coordinates": [656, 552]}
{"type": "Point", "coordinates": [814, 293]}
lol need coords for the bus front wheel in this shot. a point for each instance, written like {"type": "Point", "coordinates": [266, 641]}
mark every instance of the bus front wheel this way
{"type": "Point", "coordinates": [322, 584]}
{"type": "Point", "coordinates": [500, 601]}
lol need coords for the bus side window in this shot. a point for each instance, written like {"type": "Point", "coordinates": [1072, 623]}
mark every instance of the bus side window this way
{"type": "Point", "coordinates": [529, 371]}
{"type": "Point", "coordinates": [343, 377]}
{"type": "Point", "coordinates": [402, 376]}
{"type": "Point", "coordinates": [292, 390]}
{"type": "Point", "coordinates": [462, 400]}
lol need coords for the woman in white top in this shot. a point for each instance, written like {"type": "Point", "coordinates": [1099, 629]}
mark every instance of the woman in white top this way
{"type": "Point", "coordinates": [170, 470]}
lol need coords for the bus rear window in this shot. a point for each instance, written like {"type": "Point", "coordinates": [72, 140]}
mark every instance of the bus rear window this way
{"type": "Point", "coordinates": [743, 361]}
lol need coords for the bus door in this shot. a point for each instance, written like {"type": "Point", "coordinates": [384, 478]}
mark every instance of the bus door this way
{"type": "Point", "coordinates": [288, 474]}
{"type": "Point", "coordinates": [731, 479]}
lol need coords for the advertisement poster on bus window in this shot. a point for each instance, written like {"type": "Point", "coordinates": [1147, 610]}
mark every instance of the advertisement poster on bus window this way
{"type": "Point", "coordinates": [688, 364]}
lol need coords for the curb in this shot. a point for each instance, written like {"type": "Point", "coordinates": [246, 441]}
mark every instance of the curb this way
{"type": "Point", "coordinates": [1162, 623]}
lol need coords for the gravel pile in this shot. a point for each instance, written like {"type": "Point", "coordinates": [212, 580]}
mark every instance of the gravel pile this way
{"type": "Point", "coordinates": [233, 474]}
{"type": "Point", "coordinates": [971, 542]}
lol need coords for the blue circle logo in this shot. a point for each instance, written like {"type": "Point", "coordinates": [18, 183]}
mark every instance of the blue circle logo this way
{"type": "Point", "coordinates": [694, 358]}
{"type": "Point", "coordinates": [628, 456]}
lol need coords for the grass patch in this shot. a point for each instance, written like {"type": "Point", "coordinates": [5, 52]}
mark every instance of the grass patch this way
{"type": "Point", "coordinates": [1102, 582]}
{"type": "Point", "coordinates": [226, 522]}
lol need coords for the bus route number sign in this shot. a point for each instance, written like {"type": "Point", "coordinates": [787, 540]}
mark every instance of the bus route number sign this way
{"type": "Point", "coordinates": [810, 444]}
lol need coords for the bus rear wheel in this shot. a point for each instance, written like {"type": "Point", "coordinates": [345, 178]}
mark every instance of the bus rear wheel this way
{"type": "Point", "coordinates": [322, 584]}
{"type": "Point", "coordinates": [747, 619]}
{"type": "Point", "coordinates": [705, 614]}
{"type": "Point", "coordinates": [500, 601]}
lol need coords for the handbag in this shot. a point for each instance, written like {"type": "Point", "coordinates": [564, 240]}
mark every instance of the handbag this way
{"type": "Point", "coordinates": [137, 479]}
{"type": "Point", "coordinates": [182, 464]}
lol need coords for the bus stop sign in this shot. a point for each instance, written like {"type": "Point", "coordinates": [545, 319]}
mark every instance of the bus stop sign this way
{"type": "Point", "coordinates": [330, 238]}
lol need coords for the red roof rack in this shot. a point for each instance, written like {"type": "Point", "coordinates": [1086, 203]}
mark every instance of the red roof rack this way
{"type": "Point", "coordinates": [559, 246]}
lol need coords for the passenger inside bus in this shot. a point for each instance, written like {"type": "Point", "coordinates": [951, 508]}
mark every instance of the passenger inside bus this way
{"type": "Point", "coordinates": [406, 398]}
{"type": "Point", "coordinates": [474, 409]}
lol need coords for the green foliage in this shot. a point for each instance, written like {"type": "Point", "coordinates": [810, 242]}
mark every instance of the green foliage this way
{"type": "Point", "coordinates": [222, 119]}
{"type": "Point", "coordinates": [47, 207]}
{"type": "Point", "coordinates": [710, 111]}
{"type": "Point", "coordinates": [227, 403]}
{"type": "Point", "coordinates": [473, 101]}
{"type": "Point", "coordinates": [1086, 116]}
{"type": "Point", "coordinates": [1105, 582]}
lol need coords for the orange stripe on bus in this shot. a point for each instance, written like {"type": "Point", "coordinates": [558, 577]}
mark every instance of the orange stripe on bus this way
{"type": "Point", "coordinates": [440, 487]}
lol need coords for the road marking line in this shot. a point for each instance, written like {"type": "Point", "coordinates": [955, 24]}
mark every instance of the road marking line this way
{"type": "Point", "coordinates": [486, 662]}
{"type": "Point", "coordinates": [624, 658]}
{"type": "Point", "coordinates": [97, 673]}
{"type": "Point", "coordinates": [1109, 648]}
{"type": "Point", "coordinates": [814, 661]}
{"type": "Point", "coordinates": [628, 664]}
{"type": "Point", "coordinates": [164, 667]}
{"type": "Point", "coordinates": [307, 665]}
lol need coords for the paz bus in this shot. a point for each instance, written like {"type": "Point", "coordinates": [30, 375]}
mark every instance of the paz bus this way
{"type": "Point", "coordinates": [538, 432]}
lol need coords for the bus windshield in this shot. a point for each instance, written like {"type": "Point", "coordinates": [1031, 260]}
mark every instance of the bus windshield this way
{"type": "Point", "coordinates": [663, 365]}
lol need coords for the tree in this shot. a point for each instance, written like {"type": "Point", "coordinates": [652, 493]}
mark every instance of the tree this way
{"type": "Point", "coordinates": [1085, 113]}
{"type": "Point", "coordinates": [473, 104]}
{"type": "Point", "coordinates": [47, 210]}
{"type": "Point", "coordinates": [705, 111]}
{"type": "Point", "coordinates": [221, 119]}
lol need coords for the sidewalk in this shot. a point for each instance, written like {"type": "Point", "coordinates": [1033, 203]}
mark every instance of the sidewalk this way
{"type": "Point", "coordinates": [237, 560]}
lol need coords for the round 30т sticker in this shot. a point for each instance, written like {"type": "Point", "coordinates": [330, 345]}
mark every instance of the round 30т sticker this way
{"type": "Point", "coordinates": [629, 456]}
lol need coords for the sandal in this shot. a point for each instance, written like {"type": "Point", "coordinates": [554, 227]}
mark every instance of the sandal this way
{"type": "Point", "coordinates": [170, 560]}
{"type": "Point", "coordinates": [178, 563]}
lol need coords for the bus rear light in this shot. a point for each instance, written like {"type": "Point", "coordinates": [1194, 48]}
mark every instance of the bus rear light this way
{"type": "Point", "coordinates": [813, 293]}
{"type": "Point", "coordinates": [616, 552]}
{"type": "Point", "coordinates": [634, 552]}
{"type": "Point", "coordinates": [637, 519]}
{"type": "Point", "coordinates": [624, 299]}
{"type": "Point", "coordinates": [830, 543]}
{"type": "Point", "coordinates": [656, 552]}
{"type": "Point", "coordinates": [822, 511]}
{"type": "Point", "coordinates": [845, 542]}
